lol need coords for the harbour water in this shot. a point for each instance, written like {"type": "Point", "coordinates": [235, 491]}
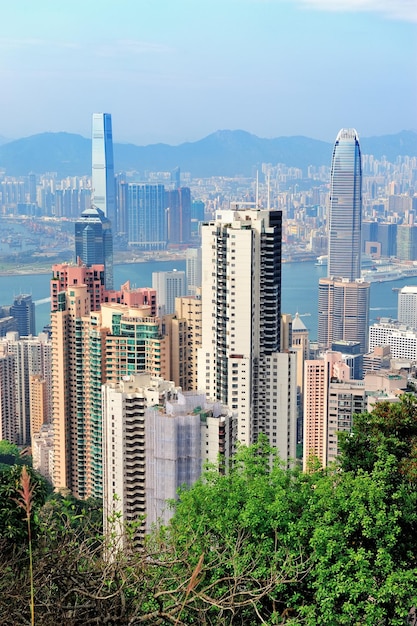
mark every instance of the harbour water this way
{"type": "Point", "coordinates": [299, 289]}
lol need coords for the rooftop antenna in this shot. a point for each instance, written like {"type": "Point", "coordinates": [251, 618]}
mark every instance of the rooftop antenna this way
{"type": "Point", "coordinates": [257, 190]}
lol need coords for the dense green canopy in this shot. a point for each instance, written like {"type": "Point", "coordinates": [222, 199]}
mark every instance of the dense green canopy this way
{"type": "Point", "coordinates": [260, 544]}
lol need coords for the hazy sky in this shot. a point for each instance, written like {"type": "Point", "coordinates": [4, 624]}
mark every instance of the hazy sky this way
{"type": "Point", "coordinates": [177, 70]}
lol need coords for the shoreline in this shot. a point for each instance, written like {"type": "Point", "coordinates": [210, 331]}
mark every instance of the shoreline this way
{"type": "Point", "coordinates": [29, 270]}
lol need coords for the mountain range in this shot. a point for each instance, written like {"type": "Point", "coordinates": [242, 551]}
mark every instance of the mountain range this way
{"type": "Point", "coordinates": [223, 153]}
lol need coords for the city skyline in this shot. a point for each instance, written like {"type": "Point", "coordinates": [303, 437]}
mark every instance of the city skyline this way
{"type": "Point", "coordinates": [183, 75]}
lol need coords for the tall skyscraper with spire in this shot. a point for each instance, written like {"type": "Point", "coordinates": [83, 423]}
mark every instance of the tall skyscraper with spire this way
{"type": "Point", "coordinates": [103, 182]}
{"type": "Point", "coordinates": [343, 295]}
{"type": "Point", "coordinates": [345, 217]}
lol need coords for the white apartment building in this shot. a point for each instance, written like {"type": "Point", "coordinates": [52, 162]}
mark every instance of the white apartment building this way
{"type": "Point", "coordinates": [179, 439]}
{"type": "Point", "coordinates": [407, 305]}
{"type": "Point", "coordinates": [155, 439]}
{"type": "Point", "coordinates": [123, 407]}
{"type": "Point", "coordinates": [401, 339]}
{"type": "Point", "coordinates": [168, 285]}
{"type": "Point", "coordinates": [193, 270]}
{"type": "Point", "coordinates": [241, 319]}
{"type": "Point", "coordinates": [32, 357]}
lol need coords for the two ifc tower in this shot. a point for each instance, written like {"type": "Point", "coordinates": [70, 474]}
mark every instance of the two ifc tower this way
{"type": "Point", "coordinates": [93, 230]}
{"type": "Point", "coordinates": [344, 295]}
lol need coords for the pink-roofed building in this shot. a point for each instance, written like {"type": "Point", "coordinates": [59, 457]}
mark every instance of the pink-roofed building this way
{"type": "Point", "coordinates": [132, 297]}
{"type": "Point", "coordinates": [66, 275]}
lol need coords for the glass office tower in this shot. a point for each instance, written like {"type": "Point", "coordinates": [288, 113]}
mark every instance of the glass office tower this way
{"type": "Point", "coordinates": [345, 215]}
{"type": "Point", "coordinates": [94, 242]}
{"type": "Point", "coordinates": [146, 217]}
{"type": "Point", "coordinates": [344, 295]}
{"type": "Point", "coordinates": [104, 192]}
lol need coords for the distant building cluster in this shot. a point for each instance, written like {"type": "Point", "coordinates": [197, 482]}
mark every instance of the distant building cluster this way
{"type": "Point", "coordinates": [134, 389]}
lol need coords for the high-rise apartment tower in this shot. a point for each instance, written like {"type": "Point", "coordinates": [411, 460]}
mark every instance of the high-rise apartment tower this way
{"type": "Point", "coordinates": [239, 363]}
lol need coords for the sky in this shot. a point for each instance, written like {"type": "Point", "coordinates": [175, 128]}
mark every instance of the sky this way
{"type": "Point", "coordinates": [172, 71]}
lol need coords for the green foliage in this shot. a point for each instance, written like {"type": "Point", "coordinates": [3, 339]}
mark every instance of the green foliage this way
{"type": "Point", "coordinates": [343, 543]}
{"type": "Point", "coordinates": [13, 525]}
{"type": "Point", "coordinates": [9, 454]}
{"type": "Point", "coordinates": [260, 544]}
{"type": "Point", "coordinates": [391, 427]}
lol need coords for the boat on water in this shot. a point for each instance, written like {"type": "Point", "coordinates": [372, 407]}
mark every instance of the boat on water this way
{"type": "Point", "coordinates": [385, 275]}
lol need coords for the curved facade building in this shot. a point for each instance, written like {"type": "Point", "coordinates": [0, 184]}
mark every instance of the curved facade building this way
{"type": "Point", "coordinates": [345, 216]}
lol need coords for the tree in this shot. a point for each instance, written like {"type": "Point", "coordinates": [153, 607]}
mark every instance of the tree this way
{"type": "Point", "coordinates": [391, 427]}
{"type": "Point", "coordinates": [9, 453]}
{"type": "Point", "coordinates": [260, 544]}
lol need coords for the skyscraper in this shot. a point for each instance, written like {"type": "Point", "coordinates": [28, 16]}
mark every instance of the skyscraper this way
{"type": "Point", "coordinates": [407, 305]}
{"type": "Point", "coordinates": [94, 242]}
{"type": "Point", "coordinates": [239, 363]}
{"type": "Point", "coordinates": [178, 202]}
{"type": "Point", "coordinates": [8, 414]}
{"type": "Point", "coordinates": [343, 295]}
{"type": "Point", "coordinates": [330, 401]}
{"type": "Point", "coordinates": [90, 348]}
{"type": "Point", "coordinates": [343, 312]}
{"type": "Point", "coordinates": [65, 275]}
{"type": "Point", "coordinates": [146, 221]}
{"type": "Point", "coordinates": [103, 182]}
{"type": "Point", "coordinates": [32, 356]}
{"type": "Point", "coordinates": [168, 285]}
{"type": "Point", "coordinates": [345, 216]}
{"type": "Point", "coordinates": [23, 310]}
{"type": "Point", "coordinates": [407, 242]}
{"type": "Point", "coordinates": [193, 270]}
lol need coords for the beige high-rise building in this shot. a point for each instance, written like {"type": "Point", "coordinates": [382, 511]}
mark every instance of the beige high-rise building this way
{"type": "Point", "coordinates": [346, 399]}
{"type": "Point", "coordinates": [38, 403]}
{"type": "Point", "coordinates": [300, 344]}
{"type": "Point", "coordinates": [343, 312]}
{"type": "Point", "coordinates": [188, 309]}
{"type": "Point", "coordinates": [317, 376]}
{"type": "Point", "coordinates": [136, 341]}
{"type": "Point", "coordinates": [331, 401]}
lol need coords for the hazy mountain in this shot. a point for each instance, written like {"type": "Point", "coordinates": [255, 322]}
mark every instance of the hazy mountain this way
{"type": "Point", "coordinates": [64, 153]}
{"type": "Point", "coordinates": [223, 153]}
